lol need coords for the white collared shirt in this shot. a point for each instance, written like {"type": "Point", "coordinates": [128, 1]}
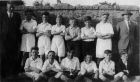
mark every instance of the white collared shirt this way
{"type": "Point", "coordinates": [37, 63]}
{"type": "Point", "coordinates": [61, 28]}
{"type": "Point", "coordinates": [43, 27]}
{"type": "Point", "coordinates": [29, 26]}
{"type": "Point", "coordinates": [88, 68]}
{"type": "Point", "coordinates": [107, 67]}
{"type": "Point", "coordinates": [104, 28]}
{"type": "Point", "coordinates": [73, 31]}
{"type": "Point", "coordinates": [71, 63]}
{"type": "Point", "coordinates": [88, 32]}
{"type": "Point", "coordinates": [127, 23]}
{"type": "Point", "coordinates": [48, 65]}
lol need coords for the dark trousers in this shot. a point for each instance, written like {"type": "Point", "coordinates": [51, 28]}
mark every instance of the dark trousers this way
{"type": "Point", "coordinates": [50, 74]}
{"type": "Point", "coordinates": [131, 59]}
{"type": "Point", "coordinates": [89, 76]}
{"type": "Point", "coordinates": [67, 73]}
{"type": "Point", "coordinates": [88, 47]}
{"type": "Point", "coordinates": [74, 45]}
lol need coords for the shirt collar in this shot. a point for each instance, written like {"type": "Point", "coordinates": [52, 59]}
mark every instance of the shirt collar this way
{"type": "Point", "coordinates": [29, 21]}
{"type": "Point", "coordinates": [126, 21]}
{"type": "Point", "coordinates": [45, 23]}
{"type": "Point", "coordinates": [33, 60]}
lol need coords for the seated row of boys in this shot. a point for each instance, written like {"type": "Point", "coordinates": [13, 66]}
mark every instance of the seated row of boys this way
{"type": "Point", "coordinates": [70, 68]}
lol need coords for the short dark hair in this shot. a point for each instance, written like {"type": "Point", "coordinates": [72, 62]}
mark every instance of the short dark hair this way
{"type": "Point", "coordinates": [70, 51]}
{"type": "Point", "coordinates": [108, 52]}
{"type": "Point", "coordinates": [87, 18]}
{"type": "Point", "coordinates": [29, 11]}
{"type": "Point", "coordinates": [88, 55]}
{"type": "Point", "coordinates": [46, 13]}
{"type": "Point", "coordinates": [59, 16]}
{"type": "Point", "coordinates": [34, 48]}
{"type": "Point", "coordinates": [72, 18]}
{"type": "Point", "coordinates": [51, 52]}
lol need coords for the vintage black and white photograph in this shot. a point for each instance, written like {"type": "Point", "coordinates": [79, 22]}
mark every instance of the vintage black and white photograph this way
{"type": "Point", "coordinates": [69, 40]}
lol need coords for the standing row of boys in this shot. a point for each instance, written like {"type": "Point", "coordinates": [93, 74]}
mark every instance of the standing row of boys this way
{"type": "Point", "coordinates": [71, 36]}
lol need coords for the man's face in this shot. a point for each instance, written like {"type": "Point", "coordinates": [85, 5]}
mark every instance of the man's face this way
{"type": "Point", "coordinates": [9, 7]}
{"type": "Point", "coordinates": [34, 54]}
{"type": "Point", "coordinates": [127, 17]}
{"type": "Point", "coordinates": [124, 57]}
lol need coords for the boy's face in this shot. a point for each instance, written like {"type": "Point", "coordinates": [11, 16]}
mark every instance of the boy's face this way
{"type": "Point", "coordinates": [44, 18]}
{"type": "Point", "coordinates": [104, 17]}
{"type": "Point", "coordinates": [34, 53]}
{"type": "Point", "coordinates": [28, 16]}
{"type": "Point", "coordinates": [69, 55]}
{"type": "Point", "coordinates": [88, 58]}
{"type": "Point", "coordinates": [87, 23]}
{"type": "Point", "coordinates": [72, 22]}
{"type": "Point", "coordinates": [50, 55]}
{"type": "Point", "coordinates": [108, 56]}
{"type": "Point", "coordinates": [58, 20]}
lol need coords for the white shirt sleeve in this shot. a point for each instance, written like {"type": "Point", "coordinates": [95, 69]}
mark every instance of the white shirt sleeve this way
{"type": "Point", "coordinates": [39, 64]}
{"type": "Point", "coordinates": [63, 63]}
{"type": "Point", "coordinates": [83, 70]}
{"type": "Point", "coordinates": [82, 32]}
{"type": "Point", "coordinates": [27, 63]}
{"type": "Point", "coordinates": [35, 25]}
{"type": "Point", "coordinates": [44, 66]}
{"type": "Point", "coordinates": [112, 69]}
{"type": "Point", "coordinates": [94, 66]}
{"type": "Point", "coordinates": [63, 29]}
{"type": "Point", "coordinates": [53, 28]}
{"type": "Point", "coordinates": [98, 31]}
{"type": "Point", "coordinates": [21, 26]}
{"type": "Point", "coordinates": [37, 28]}
{"type": "Point", "coordinates": [57, 65]}
{"type": "Point", "coordinates": [101, 68]}
{"type": "Point", "coordinates": [49, 27]}
{"type": "Point", "coordinates": [77, 64]}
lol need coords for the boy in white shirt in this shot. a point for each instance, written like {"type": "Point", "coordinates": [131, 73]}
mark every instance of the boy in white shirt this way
{"type": "Point", "coordinates": [70, 66]}
{"type": "Point", "coordinates": [107, 67]}
{"type": "Point", "coordinates": [89, 70]}
{"type": "Point", "coordinates": [51, 67]}
{"type": "Point", "coordinates": [33, 64]}
{"type": "Point", "coordinates": [44, 34]}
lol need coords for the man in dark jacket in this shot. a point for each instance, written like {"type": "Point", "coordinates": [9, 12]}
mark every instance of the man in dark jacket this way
{"type": "Point", "coordinates": [10, 39]}
{"type": "Point", "coordinates": [127, 37]}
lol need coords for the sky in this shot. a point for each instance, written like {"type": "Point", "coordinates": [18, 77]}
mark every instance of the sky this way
{"type": "Point", "coordinates": [86, 2]}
